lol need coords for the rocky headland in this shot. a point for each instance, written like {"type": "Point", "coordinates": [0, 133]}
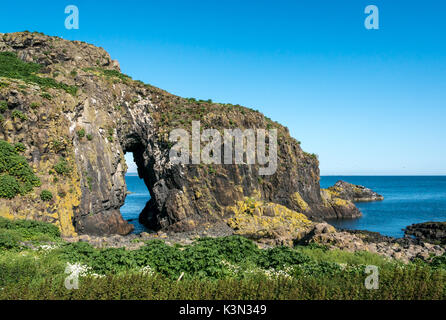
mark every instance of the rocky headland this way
{"type": "Point", "coordinates": [67, 118]}
{"type": "Point", "coordinates": [73, 116]}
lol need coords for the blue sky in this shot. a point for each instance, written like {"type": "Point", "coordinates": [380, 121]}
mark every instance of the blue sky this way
{"type": "Point", "coordinates": [366, 101]}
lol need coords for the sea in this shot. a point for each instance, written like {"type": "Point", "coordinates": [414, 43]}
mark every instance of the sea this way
{"type": "Point", "coordinates": [407, 200]}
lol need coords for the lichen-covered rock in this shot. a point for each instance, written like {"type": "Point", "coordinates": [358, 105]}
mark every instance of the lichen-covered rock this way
{"type": "Point", "coordinates": [268, 223]}
{"type": "Point", "coordinates": [342, 208]}
{"type": "Point", "coordinates": [77, 115]}
{"type": "Point", "coordinates": [355, 193]}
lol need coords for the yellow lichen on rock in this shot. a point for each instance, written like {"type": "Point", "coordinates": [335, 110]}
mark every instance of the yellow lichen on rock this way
{"type": "Point", "coordinates": [268, 222]}
{"type": "Point", "coordinates": [298, 200]}
{"type": "Point", "coordinates": [66, 204]}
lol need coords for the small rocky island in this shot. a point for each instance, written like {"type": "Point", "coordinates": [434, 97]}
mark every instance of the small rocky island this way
{"type": "Point", "coordinates": [355, 193]}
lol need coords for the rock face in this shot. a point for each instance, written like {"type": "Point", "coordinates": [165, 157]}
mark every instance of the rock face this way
{"type": "Point", "coordinates": [354, 193]}
{"type": "Point", "coordinates": [433, 232]}
{"type": "Point", "coordinates": [81, 115]}
{"type": "Point", "coordinates": [268, 223]}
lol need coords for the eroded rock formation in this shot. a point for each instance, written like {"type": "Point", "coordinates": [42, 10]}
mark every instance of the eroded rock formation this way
{"type": "Point", "coordinates": [81, 115]}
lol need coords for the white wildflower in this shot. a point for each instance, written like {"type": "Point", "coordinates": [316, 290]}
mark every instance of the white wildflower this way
{"type": "Point", "coordinates": [147, 270]}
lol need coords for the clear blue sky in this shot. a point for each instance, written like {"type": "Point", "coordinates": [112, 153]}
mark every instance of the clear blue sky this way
{"type": "Point", "coordinates": [365, 101]}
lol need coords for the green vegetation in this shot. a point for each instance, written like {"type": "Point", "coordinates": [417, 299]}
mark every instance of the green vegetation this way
{"type": "Point", "coordinates": [90, 183]}
{"type": "Point", "coordinates": [81, 133]}
{"type": "Point", "coordinates": [111, 74]}
{"type": "Point", "coordinates": [19, 147]}
{"type": "Point", "coordinates": [110, 132]}
{"type": "Point", "coordinates": [33, 261]}
{"type": "Point", "coordinates": [57, 145]}
{"type": "Point", "coordinates": [16, 176]}
{"type": "Point", "coordinates": [62, 167]}
{"type": "Point", "coordinates": [14, 233]}
{"type": "Point", "coordinates": [89, 137]}
{"type": "Point", "coordinates": [12, 67]}
{"type": "Point", "coordinates": [46, 95]}
{"type": "Point", "coordinates": [3, 106]}
{"type": "Point", "coordinates": [46, 195]}
{"type": "Point", "coordinates": [35, 105]}
{"type": "Point", "coordinates": [17, 114]}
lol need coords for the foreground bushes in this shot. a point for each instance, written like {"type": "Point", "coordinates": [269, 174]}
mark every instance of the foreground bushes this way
{"type": "Point", "coordinates": [410, 284]}
{"type": "Point", "coordinates": [14, 233]}
{"type": "Point", "coordinates": [222, 268]}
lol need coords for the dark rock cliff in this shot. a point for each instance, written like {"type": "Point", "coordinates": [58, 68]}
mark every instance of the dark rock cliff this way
{"type": "Point", "coordinates": [82, 115]}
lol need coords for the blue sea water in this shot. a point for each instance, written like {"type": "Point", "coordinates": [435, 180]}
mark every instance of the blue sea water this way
{"type": "Point", "coordinates": [135, 201]}
{"type": "Point", "coordinates": [408, 200]}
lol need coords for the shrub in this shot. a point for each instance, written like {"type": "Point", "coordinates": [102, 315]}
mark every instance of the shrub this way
{"type": "Point", "coordinates": [18, 114]}
{"type": "Point", "coordinates": [89, 137]}
{"type": "Point", "coordinates": [439, 262]}
{"type": "Point", "coordinates": [35, 105]}
{"type": "Point", "coordinates": [81, 133]}
{"type": "Point", "coordinates": [17, 177]}
{"type": "Point", "coordinates": [46, 195]}
{"type": "Point", "coordinates": [3, 106]}
{"type": "Point", "coordinates": [57, 145]}
{"type": "Point", "coordinates": [62, 167]}
{"type": "Point", "coordinates": [9, 241]}
{"type": "Point", "coordinates": [281, 257]}
{"type": "Point", "coordinates": [9, 186]}
{"type": "Point", "coordinates": [30, 229]}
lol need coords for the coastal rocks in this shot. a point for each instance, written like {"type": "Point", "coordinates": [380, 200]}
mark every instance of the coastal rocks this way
{"type": "Point", "coordinates": [404, 249]}
{"type": "Point", "coordinates": [89, 115]}
{"type": "Point", "coordinates": [354, 193]}
{"type": "Point", "coordinates": [342, 208]}
{"type": "Point", "coordinates": [432, 232]}
{"type": "Point", "coordinates": [341, 197]}
{"type": "Point", "coordinates": [268, 223]}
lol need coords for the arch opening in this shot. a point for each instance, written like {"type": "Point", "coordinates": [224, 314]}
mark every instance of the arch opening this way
{"type": "Point", "coordinates": [138, 194]}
